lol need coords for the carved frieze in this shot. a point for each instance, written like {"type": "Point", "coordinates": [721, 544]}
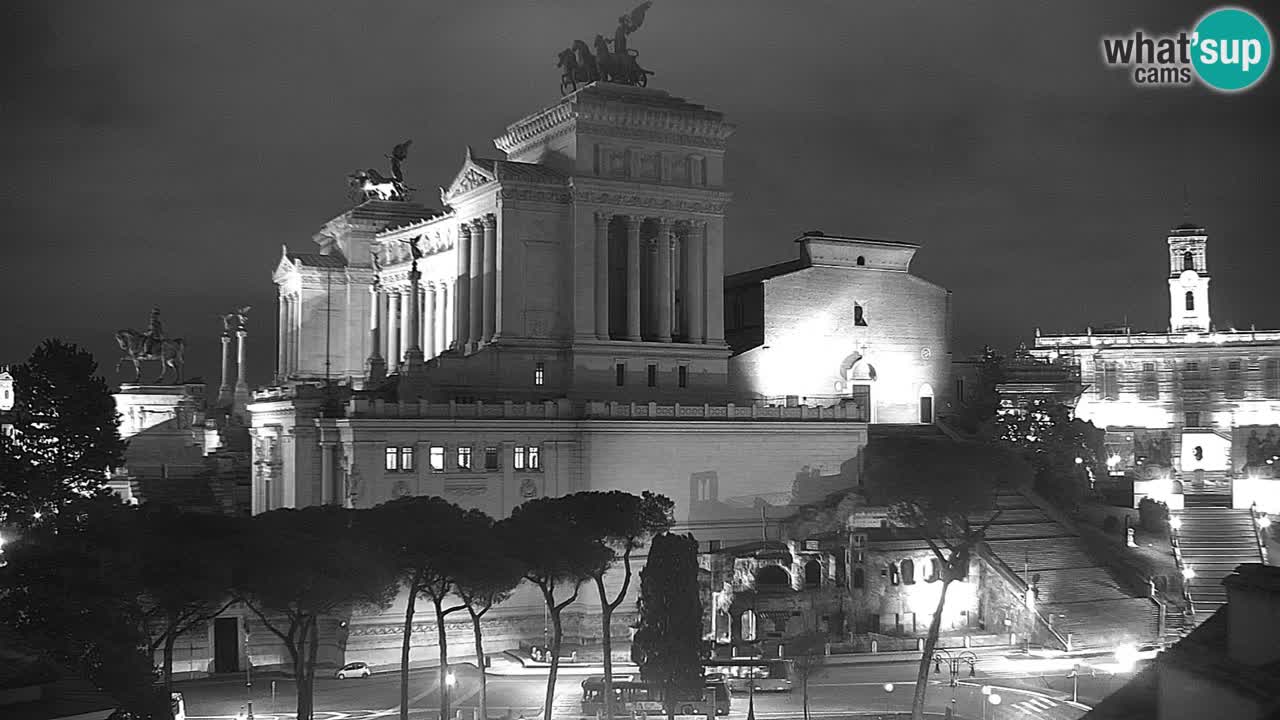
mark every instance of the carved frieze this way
{"type": "Point", "coordinates": [464, 489]}
{"type": "Point", "coordinates": [651, 202]}
{"type": "Point", "coordinates": [530, 194]}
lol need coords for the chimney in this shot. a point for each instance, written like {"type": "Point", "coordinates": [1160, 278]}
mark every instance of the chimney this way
{"type": "Point", "coordinates": [1253, 614]}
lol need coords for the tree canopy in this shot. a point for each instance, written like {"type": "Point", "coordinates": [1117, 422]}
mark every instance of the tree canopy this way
{"type": "Point", "coordinates": [66, 434]}
{"type": "Point", "coordinates": [668, 643]}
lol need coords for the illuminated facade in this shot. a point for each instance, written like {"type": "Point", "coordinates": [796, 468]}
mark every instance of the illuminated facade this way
{"type": "Point", "coordinates": [846, 323]}
{"type": "Point", "coordinates": [557, 327]}
{"type": "Point", "coordinates": [1194, 398]}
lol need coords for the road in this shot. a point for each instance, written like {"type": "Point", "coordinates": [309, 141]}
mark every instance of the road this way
{"type": "Point", "coordinates": [1028, 689]}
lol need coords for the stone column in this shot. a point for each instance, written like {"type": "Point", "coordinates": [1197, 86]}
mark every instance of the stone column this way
{"type": "Point", "coordinates": [413, 321]}
{"type": "Point", "coordinates": [444, 324]}
{"type": "Point", "coordinates": [602, 276]}
{"type": "Point", "coordinates": [224, 390]}
{"type": "Point", "coordinates": [393, 330]}
{"type": "Point", "coordinates": [462, 291]}
{"type": "Point", "coordinates": [475, 333]}
{"type": "Point", "coordinates": [295, 333]}
{"type": "Point", "coordinates": [633, 276]}
{"type": "Point", "coordinates": [242, 360]}
{"type": "Point", "coordinates": [430, 348]}
{"type": "Point", "coordinates": [695, 296]}
{"type": "Point", "coordinates": [406, 305]}
{"type": "Point", "coordinates": [282, 341]}
{"type": "Point", "coordinates": [663, 290]}
{"type": "Point", "coordinates": [328, 488]}
{"type": "Point", "coordinates": [375, 366]}
{"type": "Point", "coordinates": [715, 281]}
{"type": "Point", "coordinates": [490, 277]}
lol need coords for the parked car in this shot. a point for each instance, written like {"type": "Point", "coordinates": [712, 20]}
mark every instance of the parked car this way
{"type": "Point", "coordinates": [354, 670]}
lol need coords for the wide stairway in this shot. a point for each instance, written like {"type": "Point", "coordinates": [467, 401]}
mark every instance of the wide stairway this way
{"type": "Point", "coordinates": [1076, 593]}
{"type": "Point", "coordinates": [1214, 540]}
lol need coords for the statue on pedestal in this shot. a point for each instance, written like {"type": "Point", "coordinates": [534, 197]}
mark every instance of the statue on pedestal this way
{"type": "Point", "coordinates": [151, 345]}
{"type": "Point", "coordinates": [617, 64]}
{"type": "Point", "coordinates": [370, 184]}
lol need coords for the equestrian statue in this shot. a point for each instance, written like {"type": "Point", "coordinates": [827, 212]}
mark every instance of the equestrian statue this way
{"type": "Point", "coordinates": [613, 61]}
{"type": "Point", "coordinates": [372, 185]}
{"type": "Point", "coordinates": [151, 345]}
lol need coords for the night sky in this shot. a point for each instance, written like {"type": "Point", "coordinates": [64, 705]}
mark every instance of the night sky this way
{"type": "Point", "coordinates": [159, 153]}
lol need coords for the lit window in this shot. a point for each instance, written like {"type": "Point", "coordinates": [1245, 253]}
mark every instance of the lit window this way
{"type": "Point", "coordinates": [653, 375]}
{"type": "Point", "coordinates": [464, 458]}
{"type": "Point", "coordinates": [406, 459]}
{"type": "Point", "coordinates": [538, 373]}
{"type": "Point", "coordinates": [393, 459]}
{"type": "Point", "coordinates": [437, 458]}
{"type": "Point", "coordinates": [682, 376]}
{"type": "Point", "coordinates": [491, 458]}
{"type": "Point", "coordinates": [893, 574]}
{"type": "Point", "coordinates": [527, 458]}
{"type": "Point", "coordinates": [620, 373]}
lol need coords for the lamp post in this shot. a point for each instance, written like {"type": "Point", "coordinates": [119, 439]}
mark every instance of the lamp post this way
{"type": "Point", "coordinates": [986, 693]}
{"type": "Point", "coordinates": [248, 673]}
{"type": "Point", "coordinates": [449, 680]}
{"type": "Point", "coordinates": [994, 700]}
{"type": "Point", "coordinates": [888, 693]}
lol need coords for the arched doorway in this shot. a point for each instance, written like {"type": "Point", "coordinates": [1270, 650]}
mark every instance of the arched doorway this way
{"type": "Point", "coordinates": [773, 577]}
{"type": "Point", "coordinates": [857, 375]}
{"type": "Point", "coordinates": [812, 574]}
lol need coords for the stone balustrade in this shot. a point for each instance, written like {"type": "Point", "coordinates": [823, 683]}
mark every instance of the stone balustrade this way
{"type": "Point", "coordinates": [596, 410]}
{"type": "Point", "coordinates": [1049, 342]}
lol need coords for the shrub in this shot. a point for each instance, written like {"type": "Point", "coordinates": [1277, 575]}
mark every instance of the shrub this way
{"type": "Point", "coordinates": [1153, 515]}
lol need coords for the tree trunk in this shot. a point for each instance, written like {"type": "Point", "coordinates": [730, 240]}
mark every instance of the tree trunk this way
{"type": "Point", "coordinates": [670, 697]}
{"type": "Point", "coordinates": [804, 689]}
{"type": "Point", "coordinates": [167, 663]}
{"type": "Point", "coordinates": [931, 641]}
{"type": "Point", "coordinates": [312, 651]}
{"type": "Point", "coordinates": [298, 650]}
{"type": "Point", "coordinates": [484, 685]}
{"type": "Point", "coordinates": [442, 639]}
{"type": "Point", "coordinates": [404, 651]}
{"type": "Point", "coordinates": [556, 636]}
{"type": "Point", "coordinates": [606, 642]}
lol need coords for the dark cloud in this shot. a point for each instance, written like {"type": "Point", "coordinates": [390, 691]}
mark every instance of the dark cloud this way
{"type": "Point", "coordinates": [160, 153]}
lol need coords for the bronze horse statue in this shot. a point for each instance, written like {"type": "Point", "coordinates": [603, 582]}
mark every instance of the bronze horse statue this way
{"type": "Point", "coordinates": [169, 352]}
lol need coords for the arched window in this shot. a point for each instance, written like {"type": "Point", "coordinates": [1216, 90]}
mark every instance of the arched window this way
{"type": "Point", "coordinates": [935, 571]}
{"type": "Point", "coordinates": [772, 577]}
{"type": "Point", "coordinates": [813, 574]}
{"type": "Point", "coordinates": [908, 572]}
{"type": "Point", "coordinates": [858, 318]}
{"type": "Point", "coordinates": [1188, 261]}
{"type": "Point", "coordinates": [859, 578]}
{"type": "Point", "coordinates": [1191, 301]}
{"type": "Point", "coordinates": [861, 261]}
{"type": "Point", "coordinates": [894, 578]}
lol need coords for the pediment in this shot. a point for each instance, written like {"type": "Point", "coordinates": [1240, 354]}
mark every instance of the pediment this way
{"type": "Point", "coordinates": [473, 174]}
{"type": "Point", "coordinates": [285, 268]}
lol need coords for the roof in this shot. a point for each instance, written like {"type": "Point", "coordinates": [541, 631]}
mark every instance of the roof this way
{"type": "Point", "coordinates": [510, 171]}
{"type": "Point", "coordinates": [750, 277]}
{"type": "Point", "coordinates": [318, 260]}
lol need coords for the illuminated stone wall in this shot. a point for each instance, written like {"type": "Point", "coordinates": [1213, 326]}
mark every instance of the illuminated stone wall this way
{"type": "Point", "coordinates": [827, 329]}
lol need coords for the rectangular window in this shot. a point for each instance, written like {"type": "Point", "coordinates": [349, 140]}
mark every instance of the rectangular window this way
{"type": "Point", "coordinates": [437, 458]}
{"type": "Point", "coordinates": [960, 389]}
{"type": "Point", "coordinates": [1271, 378]}
{"type": "Point", "coordinates": [682, 376]}
{"type": "Point", "coordinates": [1108, 385]}
{"type": "Point", "coordinates": [527, 458]}
{"type": "Point", "coordinates": [1233, 365]}
{"type": "Point", "coordinates": [406, 459]}
{"type": "Point", "coordinates": [518, 461]}
{"type": "Point", "coordinates": [491, 458]}
{"type": "Point", "coordinates": [464, 458]}
{"type": "Point", "coordinates": [393, 459]}
{"type": "Point", "coordinates": [652, 371]}
{"type": "Point", "coordinates": [1150, 388]}
{"type": "Point", "coordinates": [538, 373]}
{"type": "Point", "coordinates": [1192, 419]}
{"type": "Point", "coordinates": [620, 374]}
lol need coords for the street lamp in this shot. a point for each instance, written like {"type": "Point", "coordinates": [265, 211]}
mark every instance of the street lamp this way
{"type": "Point", "coordinates": [954, 663]}
{"type": "Point", "coordinates": [1188, 573]}
{"type": "Point", "coordinates": [888, 693]}
{"type": "Point", "coordinates": [994, 699]}
{"type": "Point", "coordinates": [1175, 522]}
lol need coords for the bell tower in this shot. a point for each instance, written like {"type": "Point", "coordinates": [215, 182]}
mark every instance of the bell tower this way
{"type": "Point", "coordinates": [1188, 279]}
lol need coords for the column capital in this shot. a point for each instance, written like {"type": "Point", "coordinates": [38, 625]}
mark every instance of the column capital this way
{"type": "Point", "coordinates": [489, 221]}
{"type": "Point", "coordinates": [602, 217]}
{"type": "Point", "coordinates": [630, 221]}
{"type": "Point", "coordinates": [464, 228]}
{"type": "Point", "coordinates": [242, 333]}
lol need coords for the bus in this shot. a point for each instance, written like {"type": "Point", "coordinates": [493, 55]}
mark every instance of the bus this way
{"type": "Point", "coordinates": [635, 696]}
{"type": "Point", "coordinates": [760, 674]}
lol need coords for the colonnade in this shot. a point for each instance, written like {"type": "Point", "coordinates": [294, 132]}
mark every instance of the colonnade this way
{"type": "Point", "coordinates": [395, 308]}
{"type": "Point", "coordinates": [673, 267]}
{"type": "Point", "coordinates": [289, 358]}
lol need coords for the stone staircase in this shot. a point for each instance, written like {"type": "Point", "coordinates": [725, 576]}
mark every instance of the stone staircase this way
{"type": "Point", "coordinates": [1214, 540]}
{"type": "Point", "coordinates": [1077, 594]}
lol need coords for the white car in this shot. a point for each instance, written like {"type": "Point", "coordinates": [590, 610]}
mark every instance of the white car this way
{"type": "Point", "coordinates": [354, 670]}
